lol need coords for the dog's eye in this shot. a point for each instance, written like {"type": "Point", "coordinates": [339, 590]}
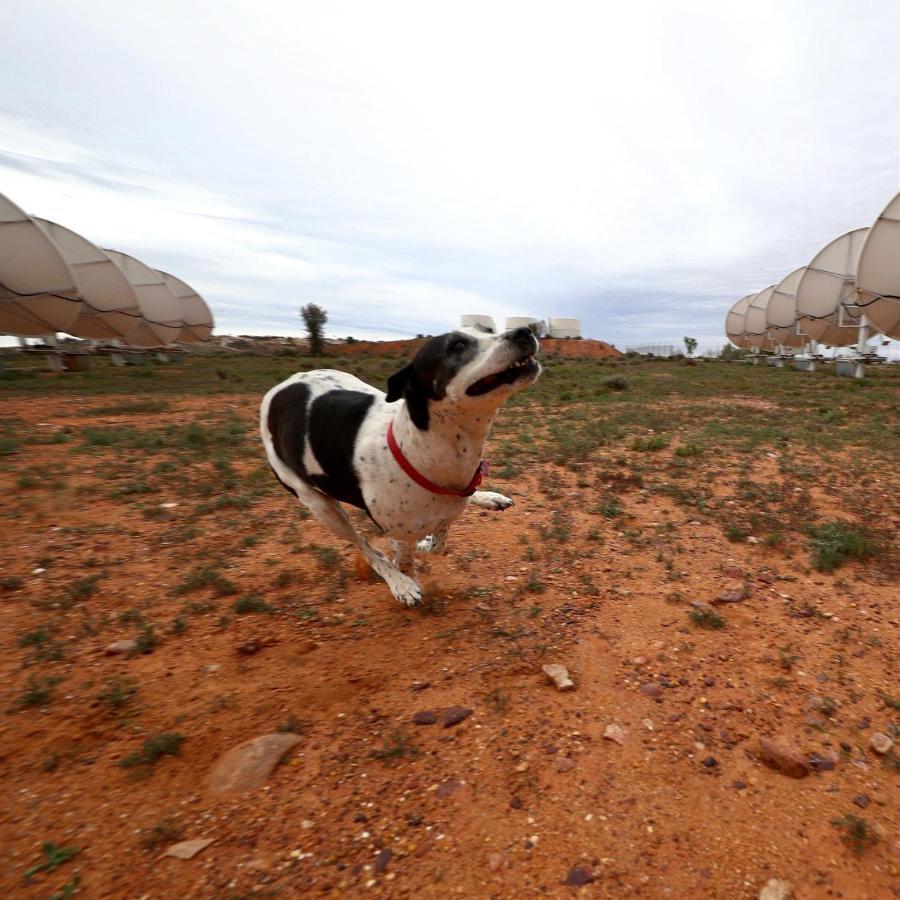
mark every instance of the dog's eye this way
{"type": "Point", "coordinates": [457, 345]}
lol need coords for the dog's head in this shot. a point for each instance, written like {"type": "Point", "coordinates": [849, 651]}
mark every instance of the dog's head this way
{"type": "Point", "coordinates": [469, 368]}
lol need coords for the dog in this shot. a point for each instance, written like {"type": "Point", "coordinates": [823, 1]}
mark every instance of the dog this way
{"type": "Point", "coordinates": [411, 458]}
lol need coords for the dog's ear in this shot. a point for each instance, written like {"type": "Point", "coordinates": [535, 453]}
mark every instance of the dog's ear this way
{"type": "Point", "coordinates": [397, 383]}
{"type": "Point", "coordinates": [407, 384]}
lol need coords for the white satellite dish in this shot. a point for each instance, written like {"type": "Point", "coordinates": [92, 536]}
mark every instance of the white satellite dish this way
{"type": "Point", "coordinates": [826, 294]}
{"type": "Point", "coordinates": [781, 313]}
{"type": "Point", "coordinates": [755, 328]}
{"type": "Point", "coordinates": [474, 320]}
{"type": "Point", "coordinates": [563, 328]}
{"type": "Point", "coordinates": [110, 309]}
{"type": "Point", "coordinates": [161, 311]}
{"type": "Point", "coordinates": [878, 273]}
{"type": "Point", "coordinates": [38, 290]}
{"type": "Point", "coordinates": [197, 317]}
{"type": "Point", "coordinates": [734, 322]}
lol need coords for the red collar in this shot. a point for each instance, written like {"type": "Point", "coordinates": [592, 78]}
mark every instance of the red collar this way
{"type": "Point", "coordinates": [422, 481]}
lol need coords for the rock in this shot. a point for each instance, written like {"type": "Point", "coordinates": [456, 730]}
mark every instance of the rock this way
{"type": "Point", "coordinates": [453, 715]}
{"type": "Point", "coordinates": [420, 686]}
{"type": "Point", "coordinates": [211, 668]}
{"type": "Point", "coordinates": [775, 889]}
{"type": "Point", "coordinates": [880, 743]}
{"type": "Point", "coordinates": [652, 689]}
{"type": "Point", "coordinates": [248, 765]}
{"type": "Point", "coordinates": [615, 733]}
{"type": "Point", "coordinates": [448, 789]}
{"type": "Point", "coordinates": [559, 675]}
{"type": "Point", "coordinates": [579, 875]}
{"type": "Point", "coordinates": [564, 764]}
{"type": "Point", "coordinates": [118, 647]}
{"type": "Point", "coordinates": [495, 862]}
{"type": "Point", "coordinates": [248, 648]}
{"type": "Point", "coordinates": [710, 762]}
{"type": "Point", "coordinates": [515, 802]}
{"type": "Point", "coordinates": [739, 785]}
{"type": "Point", "coordinates": [822, 762]}
{"type": "Point", "coordinates": [383, 859]}
{"type": "Point", "coordinates": [861, 800]}
{"type": "Point", "coordinates": [425, 717]}
{"type": "Point", "coordinates": [784, 758]}
{"type": "Point", "coordinates": [731, 568]}
{"type": "Point", "coordinates": [188, 849]}
{"type": "Point", "coordinates": [734, 592]}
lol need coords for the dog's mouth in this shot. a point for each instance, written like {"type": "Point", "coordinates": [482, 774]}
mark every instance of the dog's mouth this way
{"type": "Point", "coordinates": [525, 368]}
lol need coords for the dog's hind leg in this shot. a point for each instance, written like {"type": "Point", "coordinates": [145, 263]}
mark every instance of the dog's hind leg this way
{"type": "Point", "coordinates": [404, 556]}
{"type": "Point", "coordinates": [329, 513]}
{"type": "Point", "coordinates": [435, 542]}
{"type": "Point", "coordinates": [490, 500]}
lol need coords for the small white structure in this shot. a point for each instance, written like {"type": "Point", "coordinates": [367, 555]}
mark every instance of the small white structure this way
{"type": "Point", "coordinates": [521, 321]}
{"type": "Point", "coordinates": [564, 328]}
{"type": "Point", "coordinates": [475, 321]}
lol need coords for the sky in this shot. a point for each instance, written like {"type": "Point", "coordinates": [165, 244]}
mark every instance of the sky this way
{"type": "Point", "coordinates": [638, 165]}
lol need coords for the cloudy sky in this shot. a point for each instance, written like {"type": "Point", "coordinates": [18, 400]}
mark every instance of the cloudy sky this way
{"type": "Point", "coordinates": [638, 165]}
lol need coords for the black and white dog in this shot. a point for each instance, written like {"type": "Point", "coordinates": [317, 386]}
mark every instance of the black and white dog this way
{"type": "Point", "coordinates": [410, 459]}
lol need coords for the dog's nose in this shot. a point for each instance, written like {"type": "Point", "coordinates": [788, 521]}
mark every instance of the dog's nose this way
{"type": "Point", "coordinates": [522, 337]}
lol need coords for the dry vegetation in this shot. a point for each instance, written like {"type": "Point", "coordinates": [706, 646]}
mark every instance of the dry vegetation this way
{"type": "Point", "coordinates": [138, 506]}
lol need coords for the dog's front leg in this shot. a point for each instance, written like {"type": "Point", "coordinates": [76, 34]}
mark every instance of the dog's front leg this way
{"type": "Point", "coordinates": [490, 500]}
{"type": "Point", "coordinates": [404, 556]}
{"type": "Point", "coordinates": [436, 542]}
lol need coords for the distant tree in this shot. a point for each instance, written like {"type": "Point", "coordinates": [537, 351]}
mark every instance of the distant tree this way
{"type": "Point", "coordinates": [690, 345]}
{"type": "Point", "coordinates": [350, 339]}
{"type": "Point", "coordinates": [314, 317]}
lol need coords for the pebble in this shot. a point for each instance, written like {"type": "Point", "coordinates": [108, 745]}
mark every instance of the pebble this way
{"type": "Point", "coordinates": [615, 733]}
{"type": "Point", "coordinates": [188, 849]}
{"type": "Point", "coordinates": [652, 690]}
{"type": "Point", "coordinates": [784, 758]}
{"type": "Point", "coordinates": [564, 764]}
{"type": "Point", "coordinates": [118, 647]}
{"type": "Point", "coordinates": [861, 800]}
{"type": "Point", "coordinates": [579, 875]}
{"type": "Point", "coordinates": [880, 743]}
{"type": "Point", "coordinates": [248, 765]}
{"type": "Point", "coordinates": [448, 789]}
{"type": "Point", "coordinates": [559, 675]}
{"type": "Point", "coordinates": [248, 648]}
{"type": "Point", "coordinates": [383, 859]}
{"type": "Point", "coordinates": [495, 862]}
{"type": "Point", "coordinates": [775, 889]}
{"type": "Point", "coordinates": [425, 717]}
{"type": "Point", "coordinates": [734, 592]}
{"type": "Point", "coordinates": [453, 715]}
{"type": "Point", "coordinates": [820, 762]}
{"type": "Point", "coordinates": [710, 762]}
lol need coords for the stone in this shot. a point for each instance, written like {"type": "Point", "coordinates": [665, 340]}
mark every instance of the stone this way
{"type": "Point", "coordinates": [248, 648]}
{"type": "Point", "coordinates": [188, 849]}
{"type": "Point", "coordinates": [734, 592]}
{"type": "Point", "coordinates": [822, 762]}
{"type": "Point", "coordinates": [564, 764]}
{"type": "Point", "coordinates": [453, 715]}
{"type": "Point", "coordinates": [775, 889]}
{"type": "Point", "coordinates": [616, 733]}
{"type": "Point", "coordinates": [425, 717]}
{"type": "Point", "coordinates": [448, 789]}
{"type": "Point", "coordinates": [495, 862]}
{"type": "Point", "coordinates": [880, 743]}
{"type": "Point", "coordinates": [784, 758]}
{"type": "Point", "coordinates": [652, 689]}
{"type": "Point", "coordinates": [383, 860]}
{"type": "Point", "coordinates": [559, 675]}
{"type": "Point", "coordinates": [119, 647]}
{"type": "Point", "coordinates": [579, 875]}
{"type": "Point", "coordinates": [861, 800]}
{"type": "Point", "coordinates": [248, 765]}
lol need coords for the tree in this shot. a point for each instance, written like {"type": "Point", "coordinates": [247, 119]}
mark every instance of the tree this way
{"type": "Point", "coordinates": [314, 317]}
{"type": "Point", "coordinates": [690, 345]}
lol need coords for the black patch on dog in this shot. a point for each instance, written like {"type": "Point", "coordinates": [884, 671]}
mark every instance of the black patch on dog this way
{"type": "Point", "coordinates": [427, 376]}
{"type": "Point", "coordinates": [287, 425]}
{"type": "Point", "coordinates": [334, 421]}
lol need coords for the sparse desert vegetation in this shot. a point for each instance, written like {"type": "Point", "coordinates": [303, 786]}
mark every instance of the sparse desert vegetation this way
{"type": "Point", "coordinates": [711, 551]}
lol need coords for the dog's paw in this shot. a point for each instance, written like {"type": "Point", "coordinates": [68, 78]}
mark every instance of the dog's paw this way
{"type": "Point", "coordinates": [405, 589]}
{"type": "Point", "coordinates": [491, 500]}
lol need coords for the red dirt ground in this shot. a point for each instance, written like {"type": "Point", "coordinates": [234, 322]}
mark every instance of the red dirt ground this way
{"type": "Point", "coordinates": [502, 805]}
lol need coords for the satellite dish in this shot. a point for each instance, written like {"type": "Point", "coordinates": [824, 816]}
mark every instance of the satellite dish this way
{"type": "Point", "coordinates": [110, 309]}
{"type": "Point", "coordinates": [826, 294]}
{"type": "Point", "coordinates": [781, 313]}
{"type": "Point", "coordinates": [564, 328]}
{"type": "Point", "coordinates": [38, 291]}
{"type": "Point", "coordinates": [878, 274]}
{"type": "Point", "coordinates": [755, 328]}
{"type": "Point", "coordinates": [197, 317]}
{"type": "Point", "coordinates": [161, 311]}
{"type": "Point", "coordinates": [474, 320]}
{"type": "Point", "coordinates": [734, 322]}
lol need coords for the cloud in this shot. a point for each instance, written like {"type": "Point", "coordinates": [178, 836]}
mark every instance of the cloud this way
{"type": "Point", "coordinates": [639, 166]}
